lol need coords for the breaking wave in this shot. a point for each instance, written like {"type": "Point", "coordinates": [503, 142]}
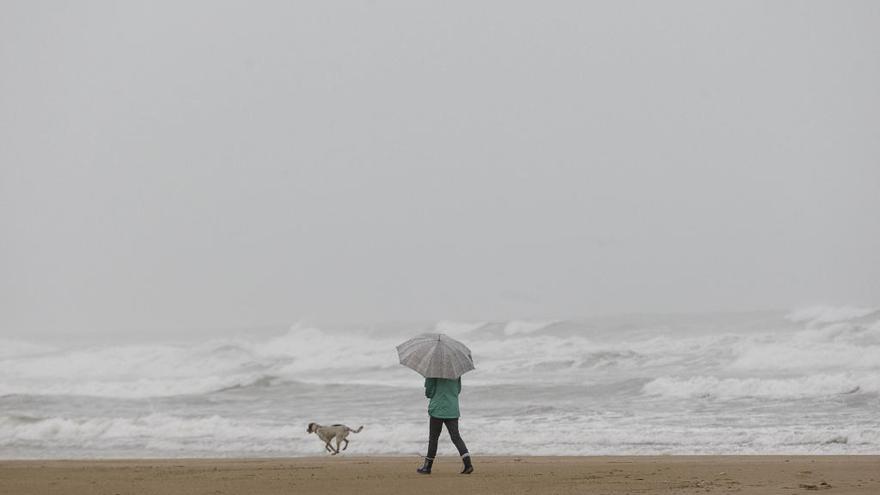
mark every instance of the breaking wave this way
{"type": "Point", "coordinates": [673, 384]}
{"type": "Point", "coordinates": [766, 388]}
{"type": "Point", "coordinates": [831, 350]}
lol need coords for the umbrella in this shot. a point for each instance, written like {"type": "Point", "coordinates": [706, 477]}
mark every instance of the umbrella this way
{"type": "Point", "coordinates": [436, 355]}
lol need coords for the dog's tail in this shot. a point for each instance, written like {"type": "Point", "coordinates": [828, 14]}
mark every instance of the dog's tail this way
{"type": "Point", "coordinates": [361, 427]}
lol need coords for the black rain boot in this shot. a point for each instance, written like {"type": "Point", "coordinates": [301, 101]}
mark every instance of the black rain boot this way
{"type": "Point", "coordinates": [426, 468]}
{"type": "Point", "coordinates": [468, 467]}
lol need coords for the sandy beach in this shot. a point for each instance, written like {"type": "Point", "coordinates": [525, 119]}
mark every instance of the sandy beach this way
{"type": "Point", "coordinates": [495, 475]}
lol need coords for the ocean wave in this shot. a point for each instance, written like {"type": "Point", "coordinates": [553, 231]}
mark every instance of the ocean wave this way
{"type": "Point", "coordinates": [770, 388]}
{"type": "Point", "coordinates": [523, 327]}
{"type": "Point", "coordinates": [166, 435]}
{"type": "Point", "coordinates": [724, 384]}
{"type": "Point", "coordinates": [158, 370]}
{"type": "Point", "coordinates": [301, 354]}
{"type": "Point", "coordinates": [144, 431]}
{"type": "Point", "coordinates": [828, 314]}
{"type": "Point", "coordinates": [545, 352]}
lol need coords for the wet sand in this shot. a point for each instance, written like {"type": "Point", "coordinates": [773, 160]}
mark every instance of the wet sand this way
{"type": "Point", "coordinates": [494, 475]}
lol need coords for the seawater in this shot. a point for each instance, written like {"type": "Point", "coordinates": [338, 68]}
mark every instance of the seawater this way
{"type": "Point", "coordinates": [800, 382]}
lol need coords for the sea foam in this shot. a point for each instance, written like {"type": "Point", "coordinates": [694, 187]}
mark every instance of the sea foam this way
{"type": "Point", "coordinates": [801, 381]}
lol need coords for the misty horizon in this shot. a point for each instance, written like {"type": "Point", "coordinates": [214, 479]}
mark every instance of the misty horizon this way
{"type": "Point", "coordinates": [223, 165]}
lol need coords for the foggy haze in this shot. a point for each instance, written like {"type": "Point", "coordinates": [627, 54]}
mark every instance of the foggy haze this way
{"type": "Point", "coordinates": [182, 165]}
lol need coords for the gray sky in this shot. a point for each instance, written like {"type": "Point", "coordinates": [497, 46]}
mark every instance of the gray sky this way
{"type": "Point", "coordinates": [174, 165]}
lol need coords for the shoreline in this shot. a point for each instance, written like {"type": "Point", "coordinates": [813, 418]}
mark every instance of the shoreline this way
{"type": "Point", "coordinates": [508, 475]}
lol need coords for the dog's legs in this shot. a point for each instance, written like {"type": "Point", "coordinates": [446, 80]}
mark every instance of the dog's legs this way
{"type": "Point", "coordinates": [346, 443]}
{"type": "Point", "coordinates": [338, 441]}
{"type": "Point", "coordinates": [330, 448]}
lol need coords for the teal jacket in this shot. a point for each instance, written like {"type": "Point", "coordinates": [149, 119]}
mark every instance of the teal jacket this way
{"type": "Point", "coordinates": [444, 397]}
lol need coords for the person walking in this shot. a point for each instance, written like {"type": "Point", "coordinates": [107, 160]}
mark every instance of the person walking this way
{"type": "Point", "coordinates": [441, 360]}
{"type": "Point", "coordinates": [443, 410]}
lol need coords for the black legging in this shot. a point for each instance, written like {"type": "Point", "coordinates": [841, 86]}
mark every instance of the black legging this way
{"type": "Point", "coordinates": [434, 435]}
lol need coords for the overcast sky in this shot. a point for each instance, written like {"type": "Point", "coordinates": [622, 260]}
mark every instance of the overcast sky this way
{"type": "Point", "coordinates": [212, 164]}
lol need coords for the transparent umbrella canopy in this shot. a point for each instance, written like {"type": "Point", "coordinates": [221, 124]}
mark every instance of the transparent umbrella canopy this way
{"type": "Point", "coordinates": [436, 355]}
